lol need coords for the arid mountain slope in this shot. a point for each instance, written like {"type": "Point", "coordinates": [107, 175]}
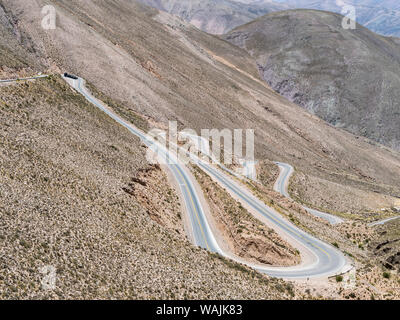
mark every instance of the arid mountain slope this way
{"type": "Point", "coordinates": [64, 166]}
{"type": "Point", "coordinates": [349, 78]}
{"type": "Point", "coordinates": [70, 206]}
{"type": "Point", "coordinates": [165, 69]}
{"type": "Point", "coordinates": [14, 57]}
{"type": "Point", "coordinates": [214, 16]}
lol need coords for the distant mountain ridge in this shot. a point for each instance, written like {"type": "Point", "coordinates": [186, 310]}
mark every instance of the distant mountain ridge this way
{"type": "Point", "coordinates": [221, 16]}
{"type": "Point", "coordinates": [349, 78]}
{"type": "Point", "coordinates": [380, 16]}
{"type": "Point", "coordinates": [215, 16]}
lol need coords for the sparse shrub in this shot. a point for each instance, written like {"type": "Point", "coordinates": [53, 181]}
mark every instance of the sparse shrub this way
{"type": "Point", "coordinates": [280, 288]}
{"type": "Point", "coordinates": [339, 278]}
{"type": "Point", "coordinates": [349, 254]}
{"type": "Point", "coordinates": [290, 289]}
{"type": "Point", "coordinates": [386, 275]}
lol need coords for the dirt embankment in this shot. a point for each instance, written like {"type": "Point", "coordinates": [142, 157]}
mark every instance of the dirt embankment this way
{"type": "Point", "coordinates": [150, 188]}
{"type": "Point", "coordinates": [247, 237]}
{"type": "Point", "coordinates": [386, 245]}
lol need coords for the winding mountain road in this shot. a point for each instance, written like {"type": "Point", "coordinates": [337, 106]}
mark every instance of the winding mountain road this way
{"type": "Point", "coordinates": [281, 186]}
{"type": "Point", "coordinates": [323, 259]}
{"type": "Point", "coordinates": [382, 222]}
{"type": "Point", "coordinates": [23, 79]}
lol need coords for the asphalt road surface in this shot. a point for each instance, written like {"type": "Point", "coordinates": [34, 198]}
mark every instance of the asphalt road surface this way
{"type": "Point", "coordinates": [326, 261]}
{"type": "Point", "coordinates": [22, 79]}
{"type": "Point", "coordinates": [281, 186]}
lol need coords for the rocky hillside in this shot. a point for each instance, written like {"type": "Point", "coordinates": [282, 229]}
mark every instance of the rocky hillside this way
{"type": "Point", "coordinates": [76, 188]}
{"type": "Point", "coordinates": [349, 78]}
{"type": "Point", "coordinates": [221, 16]}
{"type": "Point", "coordinates": [78, 200]}
{"type": "Point", "coordinates": [386, 246]}
{"type": "Point", "coordinates": [214, 16]}
{"type": "Point", "coordinates": [161, 67]}
{"type": "Point", "coordinates": [65, 168]}
{"type": "Point", "coordinates": [14, 57]}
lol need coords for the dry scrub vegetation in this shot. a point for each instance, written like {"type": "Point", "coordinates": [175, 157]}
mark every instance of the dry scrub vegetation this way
{"type": "Point", "coordinates": [63, 167]}
{"type": "Point", "coordinates": [67, 194]}
{"type": "Point", "coordinates": [386, 245]}
{"type": "Point", "coordinates": [163, 68]}
{"type": "Point", "coordinates": [374, 251]}
{"type": "Point", "coordinates": [351, 237]}
{"type": "Point", "coordinates": [339, 199]}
